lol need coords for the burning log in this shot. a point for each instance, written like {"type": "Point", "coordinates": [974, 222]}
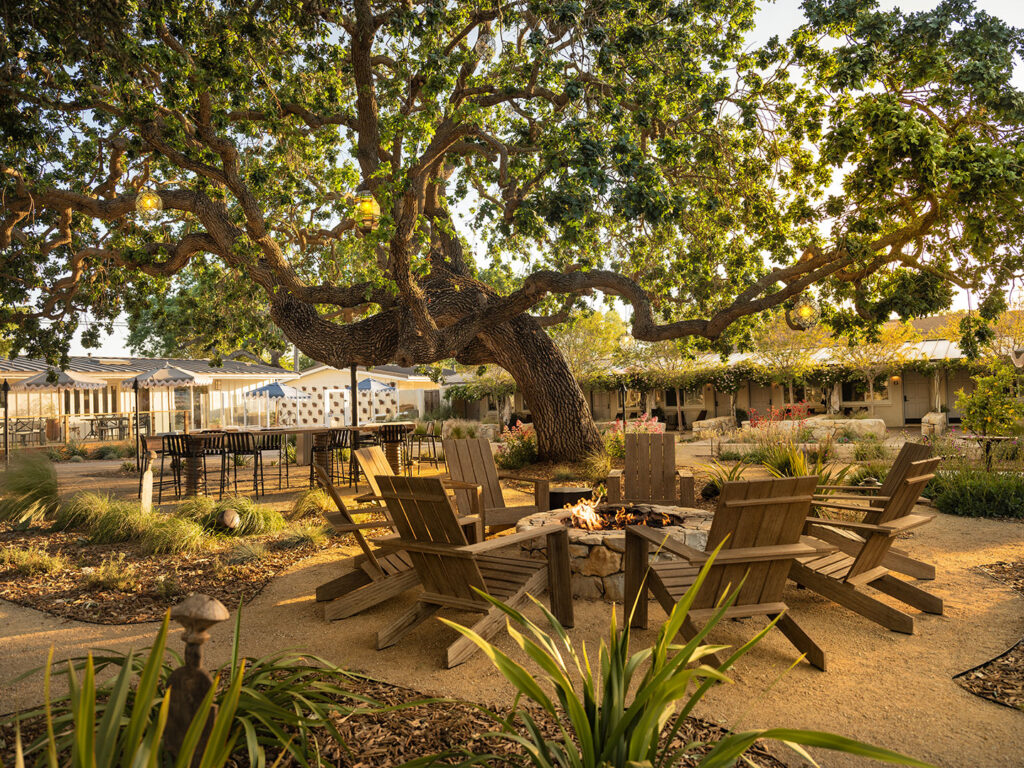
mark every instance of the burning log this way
{"type": "Point", "coordinates": [590, 515]}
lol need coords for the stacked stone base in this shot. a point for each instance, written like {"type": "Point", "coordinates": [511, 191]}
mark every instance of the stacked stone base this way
{"type": "Point", "coordinates": [597, 558]}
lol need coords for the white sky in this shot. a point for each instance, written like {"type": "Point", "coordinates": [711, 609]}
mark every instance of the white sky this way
{"type": "Point", "coordinates": [775, 18]}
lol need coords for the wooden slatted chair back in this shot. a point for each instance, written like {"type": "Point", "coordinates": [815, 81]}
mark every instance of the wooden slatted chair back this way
{"type": "Point", "coordinates": [422, 514]}
{"type": "Point", "coordinates": [650, 471]}
{"type": "Point", "coordinates": [909, 453]}
{"type": "Point", "coordinates": [373, 463]}
{"type": "Point", "coordinates": [900, 504]}
{"type": "Point", "coordinates": [342, 517]}
{"type": "Point", "coordinates": [758, 513]}
{"type": "Point", "coordinates": [470, 461]}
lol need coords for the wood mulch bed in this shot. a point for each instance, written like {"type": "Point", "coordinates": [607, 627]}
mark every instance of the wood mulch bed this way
{"type": "Point", "coordinates": [1001, 679]}
{"type": "Point", "coordinates": [157, 581]}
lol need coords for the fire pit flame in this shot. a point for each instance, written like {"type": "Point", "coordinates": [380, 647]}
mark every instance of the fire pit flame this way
{"type": "Point", "coordinates": [590, 515]}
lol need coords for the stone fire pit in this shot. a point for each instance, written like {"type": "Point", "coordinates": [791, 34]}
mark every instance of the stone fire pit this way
{"type": "Point", "coordinates": [596, 557]}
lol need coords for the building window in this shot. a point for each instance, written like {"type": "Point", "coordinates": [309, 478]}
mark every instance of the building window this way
{"type": "Point", "coordinates": [693, 398]}
{"type": "Point", "coordinates": [857, 391]}
{"type": "Point", "coordinates": [671, 398]}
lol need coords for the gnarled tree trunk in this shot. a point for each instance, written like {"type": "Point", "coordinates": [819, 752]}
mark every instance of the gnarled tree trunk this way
{"type": "Point", "coordinates": [561, 416]}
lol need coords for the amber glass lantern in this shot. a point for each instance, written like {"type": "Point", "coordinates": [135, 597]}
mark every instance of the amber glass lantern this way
{"type": "Point", "coordinates": [148, 203]}
{"type": "Point", "coordinates": [367, 213]}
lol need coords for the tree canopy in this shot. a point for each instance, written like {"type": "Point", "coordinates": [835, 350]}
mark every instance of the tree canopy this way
{"type": "Point", "coordinates": [642, 150]}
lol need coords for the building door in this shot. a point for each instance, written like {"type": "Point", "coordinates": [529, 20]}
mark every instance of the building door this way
{"type": "Point", "coordinates": [760, 399]}
{"type": "Point", "coordinates": [956, 380]}
{"type": "Point", "coordinates": [431, 401]}
{"type": "Point", "coordinates": [917, 399]}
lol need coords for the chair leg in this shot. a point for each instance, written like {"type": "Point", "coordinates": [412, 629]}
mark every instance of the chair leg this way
{"type": "Point", "coordinates": [367, 596]}
{"type": "Point", "coordinates": [849, 597]}
{"type": "Point", "coordinates": [637, 572]}
{"type": "Point", "coordinates": [901, 562]}
{"type": "Point", "coordinates": [801, 640]}
{"type": "Point", "coordinates": [909, 594]}
{"type": "Point", "coordinates": [486, 628]}
{"type": "Point", "coordinates": [405, 623]}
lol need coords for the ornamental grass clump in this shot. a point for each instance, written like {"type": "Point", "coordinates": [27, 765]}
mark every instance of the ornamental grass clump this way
{"type": "Point", "coordinates": [314, 502]}
{"type": "Point", "coordinates": [81, 511]}
{"type": "Point", "coordinates": [169, 535]}
{"type": "Point", "coordinates": [30, 560]}
{"type": "Point", "coordinates": [28, 489]}
{"type": "Point", "coordinates": [120, 521]}
{"type": "Point", "coordinates": [627, 710]}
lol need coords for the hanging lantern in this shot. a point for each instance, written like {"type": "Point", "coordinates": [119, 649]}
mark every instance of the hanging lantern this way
{"type": "Point", "coordinates": [148, 203]}
{"type": "Point", "coordinates": [367, 212]}
{"type": "Point", "coordinates": [805, 313]}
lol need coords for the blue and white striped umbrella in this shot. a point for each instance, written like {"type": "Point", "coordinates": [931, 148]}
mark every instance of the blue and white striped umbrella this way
{"type": "Point", "coordinates": [277, 391]}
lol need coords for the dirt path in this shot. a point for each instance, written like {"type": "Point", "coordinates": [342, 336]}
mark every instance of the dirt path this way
{"type": "Point", "coordinates": [889, 689]}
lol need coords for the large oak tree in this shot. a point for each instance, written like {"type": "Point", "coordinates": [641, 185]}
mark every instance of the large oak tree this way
{"type": "Point", "coordinates": [643, 150]}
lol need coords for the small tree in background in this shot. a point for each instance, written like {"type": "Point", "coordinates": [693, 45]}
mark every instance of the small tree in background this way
{"type": "Point", "coordinates": [992, 409]}
{"type": "Point", "coordinates": [788, 354]}
{"type": "Point", "coordinates": [872, 359]}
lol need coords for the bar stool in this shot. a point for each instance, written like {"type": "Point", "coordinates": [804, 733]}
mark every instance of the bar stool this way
{"type": "Point", "coordinates": [173, 449]}
{"type": "Point", "coordinates": [275, 441]}
{"type": "Point", "coordinates": [393, 440]}
{"type": "Point", "coordinates": [242, 444]}
{"type": "Point", "coordinates": [428, 438]}
{"type": "Point", "coordinates": [160, 481]}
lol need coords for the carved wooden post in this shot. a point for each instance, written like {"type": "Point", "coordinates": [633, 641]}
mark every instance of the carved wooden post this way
{"type": "Point", "coordinates": [146, 493]}
{"type": "Point", "coordinates": [189, 684]}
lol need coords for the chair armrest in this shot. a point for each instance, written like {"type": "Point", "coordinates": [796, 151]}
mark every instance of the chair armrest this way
{"type": "Point", "coordinates": [513, 538]}
{"type": "Point", "coordinates": [852, 497]}
{"type": "Point", "coordinates": [742, 555]}
{"type": "Point", "coordinates": [865, 528]}
{"type": "Point", "coordinates": [664, 541]}
{"type": "Point", "coordinates": [521, 478]}
{"type": "Point", "coordinates": [844, 507]}
{"type": "Point", "coordinates": [615, 473]}
{"type": "Point", "coordinates": [459, 484]}
{"type": "Point", "coordinates": [908, 522]}
{"type": "Point", "coordinates": [352, 527]}
{"type": "Point", "coordinates": [860, 488]}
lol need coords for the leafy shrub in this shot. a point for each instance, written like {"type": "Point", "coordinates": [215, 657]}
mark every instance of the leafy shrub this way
{"type": "Point", "coordinates": [518, 447]}
{"type": "Point", "coordinates": [977, 493]}
{"type": "Point", "coordinates": [871, 450]}
{"type": "Point", "coordinates": [563, 475]}
{"type": "Point", "coordinates": [615, 439]}
{"type": "Point", "coordinates": [627, 710]}
{"type": "Point", "coordinates": [169, 535]}
{"type": "Point", "coordinates": [285, 704]}
{"type": "Point", "coordinates": [456, 432]}
{"type": "Point", "coordinates": [76, 459]}
{"type": "Point", "coordinates": [30, 560]}
{"type": "Point", "coordinates": [74, 448]}
{"type": "Point", "coordinates": [114, 573]}
{"type": "Point", "coordinates": [129, 467]}
{"type": "Point", "coordinates": [28, 489]}
{"type": "Point", "coordinates": [313, 502]}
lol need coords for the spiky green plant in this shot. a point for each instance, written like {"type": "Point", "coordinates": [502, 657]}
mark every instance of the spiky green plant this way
{"type": "Point", "coordinates": [719, 474]}
{"type": "Point", "coordinates": [28, 489]}
{"type": "Point", "coordinates": [245, 552]}
{"type": "Point", "coordinates": [120, 724]}
{"type": "Point", "coordinates": [198, 508]}
{"type": "Point", "coordinates": [628, 711]}
{"type": "Point", "coordinates": [285, 704]}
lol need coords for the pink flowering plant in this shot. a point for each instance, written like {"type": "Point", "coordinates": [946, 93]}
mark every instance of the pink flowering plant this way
{"type": "Point", "coordinates": [615, 439]}
{"type": "Point", "coordinates": [518, 447]}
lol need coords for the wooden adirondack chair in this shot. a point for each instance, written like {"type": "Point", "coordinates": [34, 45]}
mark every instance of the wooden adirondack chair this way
{"type": "Point", "coordinates": [650, 475]}
{"type": "Point", "coordinates": [471, 461]}
{"type": "Point", "coordinates": [844, 577]}
{"type": "Point", "coordinates": [449, 567]}
{"type": "Point", "coordinates": [374, 463]}
{"type": "Point", "coordinates": [375, 578]}
{"type": "Point", "coordinates": [760, 523]}
{"type": "Point", "coordinates": [875, 499]}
